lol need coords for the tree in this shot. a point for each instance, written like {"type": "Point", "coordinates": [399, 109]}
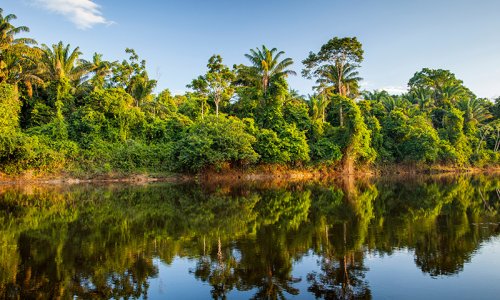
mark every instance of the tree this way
{"type": "Point", "coordinates": [133, 77]}
{"type": "Point", "coordinates": [267, 66]}
{"type": "Point", "coordinates": [216, 83]}
{"type": "Point", "coordinates": [200, 87]}
{"type": "Point", "coordinates": [100, 69]}
{"type": "Point", "coordinates": [214, 142]}
{"type": "Point", "coordinates": [474, 110]}
{"type": "Point", "coordinates": [11, 49]}
{"type": "Point", "coordinates": [60, 62]}
{"type": "Point", "coordinates": [445, 89]}
{"type": "Point", "coordinates": [62, 67]}
{"type": "Point", "coordinates": [341, 80]}
{"type": "Point", "coordinates": [336, 64]}
{"type": "Point", "coordinates": [21, 66]}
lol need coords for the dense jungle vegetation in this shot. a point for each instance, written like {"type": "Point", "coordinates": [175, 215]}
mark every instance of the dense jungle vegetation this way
{"type": "Point", "coordinates": [61, 112]}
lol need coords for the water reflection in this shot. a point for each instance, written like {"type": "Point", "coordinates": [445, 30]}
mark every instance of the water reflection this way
{"type": "Point", "coordinates": [102, 241]}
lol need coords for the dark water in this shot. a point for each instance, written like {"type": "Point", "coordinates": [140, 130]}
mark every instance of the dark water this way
{"type": "Point", "coordinates": [410, 239]}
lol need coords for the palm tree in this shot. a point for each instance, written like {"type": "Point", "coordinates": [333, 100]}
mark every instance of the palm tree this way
{"type": "Point", "coordinates": [450, 94]}
{"type": "Point", "coordinates": [324, 96]}
{"type": "Point", "coordinates": [22, 67]}
{"type": "Point", "coordinates": [8, 32]}
{"type": "Point", "coordinates": [141, 88]}
{"type": "Point", "coordinates": [314, 107]}
{"type": "Point", "coordinates": [343, 79]}
{"type": "Point", "coordinates": [268, 66]}
{"type": "Point", "coordinates": [59, 63]}
{"type": "Point", "coordinates": [422, 97]}
{"type": "Point", "coordinates": [100, 68]}
{"type": "Point", "coordinates": [376, 95]}
{"type": "Point", "coordinates": [8, 41]}
{"type": "Point", "coordinates": [474, 110]}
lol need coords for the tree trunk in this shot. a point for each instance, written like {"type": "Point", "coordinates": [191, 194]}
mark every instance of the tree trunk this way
{"type": "Point", "coordinates": [341, 116]}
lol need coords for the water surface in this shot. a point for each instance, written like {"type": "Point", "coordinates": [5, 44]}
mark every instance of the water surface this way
{"type": "Point", "coordinates": [420, 238]}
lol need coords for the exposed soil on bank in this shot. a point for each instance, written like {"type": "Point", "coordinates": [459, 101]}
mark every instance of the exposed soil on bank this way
{"type": "Point", "coordinates": [259, 173]}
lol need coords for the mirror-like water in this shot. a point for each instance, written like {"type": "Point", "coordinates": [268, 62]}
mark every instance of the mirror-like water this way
{"type": "Point", "coordinates": [422, 238]}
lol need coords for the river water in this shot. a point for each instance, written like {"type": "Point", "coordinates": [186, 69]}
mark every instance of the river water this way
{"type": "Point", "coordinates": [407, 238]}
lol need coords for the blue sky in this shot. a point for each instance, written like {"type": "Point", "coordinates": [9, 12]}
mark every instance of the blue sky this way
{"type": "Point", "coordinates": [177, 37]}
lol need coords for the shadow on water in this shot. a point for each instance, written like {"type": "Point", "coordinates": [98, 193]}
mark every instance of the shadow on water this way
{"type": "Point", "coordinates": [101, 241]}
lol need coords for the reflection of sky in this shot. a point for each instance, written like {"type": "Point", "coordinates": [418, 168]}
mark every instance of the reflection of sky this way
{"type": "Point", "coordinates": [389, 277]}
{"type": "Point", "coordinates": [397, 277]}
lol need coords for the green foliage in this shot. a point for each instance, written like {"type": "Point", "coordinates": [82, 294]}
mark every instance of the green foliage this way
{"type": "Point", "coordinates": [297, 112]}
{"type": "Point", "coordinates": [123, 119]}
{"type": "Point", "coordinates": [354, 138]}
{"type": "Point", "coordinates": [214, 142]}
{"type": "Point", "coordinates": [287, 146]}
{"type": "Point", "coordinates": [20, 152]}
{"type": "Point", "coordinates": [166, 130]}
{"type": "Point", "coordinates": [325, 151]}
{"type": "Point", "coordinates": [59, 111]}
{"type": "Point", "coordinates": [10, 107]}
{"type": "Point", "coordinates": [421, 143]}
{"type": "Point", "coordinates": [269, 147]}
{"type": "Point", "coordinates": [131, 156]}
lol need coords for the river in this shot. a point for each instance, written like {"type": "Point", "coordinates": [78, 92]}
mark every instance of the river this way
{"type": "Point", "coordinates": [407, 238]}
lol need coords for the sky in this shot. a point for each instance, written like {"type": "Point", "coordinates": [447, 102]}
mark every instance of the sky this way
{"type": "Point", "coordinates": [176, 38]}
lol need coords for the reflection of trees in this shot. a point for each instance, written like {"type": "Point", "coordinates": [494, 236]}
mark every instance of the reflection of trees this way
{"type": "Point", "coordinates": [341, 278]}
{"type": "Point", "coordinates": [341, 263]}
{"type": "Point", "coordinates": [218, 271]}
{"type": "Point", "coordinates": [265, 260]}
{"type": "Point", "coordinates": [75, 243]}
{"type": "Point", "coordinates": [266, 264]}
{"type": "Point", "coordinates": [439, 219]}
{"type": "Point", "coordinates": [215, 219]}
{"type": "Point", "coordinates": [99, 242]}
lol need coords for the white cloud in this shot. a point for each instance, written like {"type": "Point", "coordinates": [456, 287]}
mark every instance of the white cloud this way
{"type": "Point", "coordinates": [83, 13]}
{"type": "Point", "coordinates": [395, 90]}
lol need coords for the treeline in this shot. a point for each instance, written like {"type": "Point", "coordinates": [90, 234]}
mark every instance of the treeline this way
{"type": "Point", "coordinates": [59, 111]}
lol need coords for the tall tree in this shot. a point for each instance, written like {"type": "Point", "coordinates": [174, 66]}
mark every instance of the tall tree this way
{"type": "Point", "coordinates": [132, 76]}
{"type": "Point", "coordinates": [336, 62]}
{"type": "Point", "coordinates": [21, 66]}
{"type": "Point", "coordinates": [100, 69]}
{"type": "Point", "coordinates": [200, 87]}
{"type": "Point", "coordinates": [60, 63]}
{"type": "Point", "coordinates": [267, 65]}
{"type": "Point", "coordinates": [341, 80]}
{"type": "Point", "coordinates": [9, 44]}
{"type": "Point", "coordinates": [62, 68]}
{"type": "Point", "coordinates": [218, 81]}
{"type": "Point", "coordinates": [445, 88]}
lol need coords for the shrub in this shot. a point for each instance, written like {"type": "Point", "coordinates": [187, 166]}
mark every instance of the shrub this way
{"type": "Point", "coordinates": [214, 141]}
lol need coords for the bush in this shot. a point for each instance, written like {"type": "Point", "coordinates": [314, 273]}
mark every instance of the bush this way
{"type": "Point", "coordinates": [421, 143]}
{"type": "Point", "coordinates": [269, 147]}
{"type": "Point", "coordinates": [287, 146]}
{"type": "Point", "coordinates": [326, 151]}
{"type": "Point", "coordinates": [20, 152]}
{"type": "Point", "coordinates": [130, 156]}
{"type": "Point", "coordinates": [214, 141]}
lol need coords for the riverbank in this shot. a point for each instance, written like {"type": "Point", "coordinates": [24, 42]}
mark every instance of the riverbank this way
{"type": "Point", "coordinates": [257, 173]}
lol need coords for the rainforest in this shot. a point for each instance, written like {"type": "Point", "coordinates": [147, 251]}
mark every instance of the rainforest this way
{"type": "Point", "coordinates": [61, 113]}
